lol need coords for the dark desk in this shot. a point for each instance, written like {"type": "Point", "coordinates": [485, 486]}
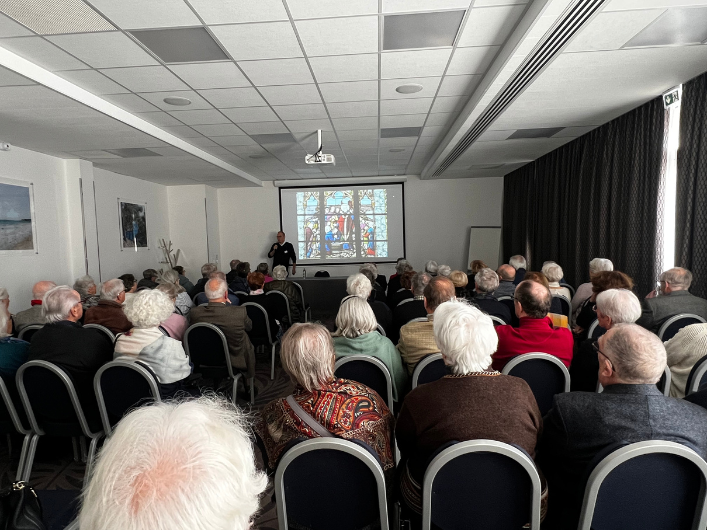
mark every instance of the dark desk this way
{"type": "Point", "coordinates": [323, 294]}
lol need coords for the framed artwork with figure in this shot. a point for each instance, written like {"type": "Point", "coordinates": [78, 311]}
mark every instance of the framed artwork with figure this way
{"type": "Point", "coordinates": [133, 225]}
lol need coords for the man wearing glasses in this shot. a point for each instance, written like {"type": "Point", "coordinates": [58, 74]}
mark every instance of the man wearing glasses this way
{"type": "Point", "coordinates": [673, 298]}
{"type": "Point", "coordinates": [630, 409]}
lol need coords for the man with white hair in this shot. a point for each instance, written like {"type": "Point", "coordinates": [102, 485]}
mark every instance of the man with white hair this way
{"type": "Point", "coordinates": [519, 264]}
{"type": "Point", "coordinates": [674, 299]}
{"type": "Point", "coordinates": [64, 342]}
{"type": "Point", "coordinates": [109, 311]}
{"type": "Point", "coordinates": [288, 288]}
{"type": "Point", "coordinates": [630, 409]}
{"type": "Point", "coordinates": [206, 270]}
{"type": "Point", "coordinates": [486, 282]}
{"type": "Point", "coordinates": [33, 315]}
{"type": "Point", "coordinates": [191, 466]}
{"type": "Point", "coordinates": [232, 320]}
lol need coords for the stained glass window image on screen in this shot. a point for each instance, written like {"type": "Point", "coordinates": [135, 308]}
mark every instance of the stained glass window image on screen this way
{"type": "Point", "coordinates": [308, 233]}
{"type": "Point", "coordinates": [339, 224]}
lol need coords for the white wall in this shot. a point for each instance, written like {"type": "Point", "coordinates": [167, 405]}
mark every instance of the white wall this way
{"type": "Point", "coordinates": [438, 215]}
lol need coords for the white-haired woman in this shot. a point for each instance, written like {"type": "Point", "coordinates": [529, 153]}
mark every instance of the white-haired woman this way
{"type": "Point", "coordinates": [282, 284]}
{"type": "Point", "coordinates": [87, 289]}
{"type": "Point", "coordinates": [584, 291]}
{"type": "Point", "coordinates": [554, 273]}
{"type": "Point", "coordinates": [472, 403]}
{"type": "Point", "coordinates": [345, 408]}
{"type": "Point", "coordinates": [431, 267]}
{"type": "Point", "coordinates": [145, 342]}
{"type": "Point", "coordinates": [356, 334]}
{"type": "Point", "coordinates": [361, 285]}
{"type": "Point", "coordinates": [13, 352]}
{"type": "Point", "coordinates": [176, 324]}
{"type": "Point", "coordinates": [612, 307]}
{"type": "Point", "coordinates": [183, 302]}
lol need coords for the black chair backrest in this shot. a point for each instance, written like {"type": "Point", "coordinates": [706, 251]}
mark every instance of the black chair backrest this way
{"type": "Point", "coordinates": [595, 330]}
{"type": "Point", "coordinates": [205, 346]}
{"type": "Point", "coordinates": [280, 304]}
{"type": "Point", "coordinates": [321, 274]}
{"type": "Point", "coordinates": [560, 306]}
{"type": "Point", "coordinates": [28, 332]}
{"type": "Point", "coordinates": [259, 317]}
{"type": "Point", "coordinates": [430, 370]}
{"type": "Point", "coordinates": [698, 368]}
{"type": "Point", "coordinates": [545, 378]}
{"type": "Point", "coordinates": [123, 388]}
{"type": "Point", "coordinates": [674, 324]}
{"type": "Point", "coordinates": [365, 373]}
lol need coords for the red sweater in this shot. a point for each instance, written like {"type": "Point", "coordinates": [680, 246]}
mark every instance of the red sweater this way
{"type": "Point", "coordinates": [533, 335]}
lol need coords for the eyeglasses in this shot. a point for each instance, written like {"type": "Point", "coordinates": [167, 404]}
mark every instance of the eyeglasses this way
{"type": "Point", "coordinates": [595, 346]}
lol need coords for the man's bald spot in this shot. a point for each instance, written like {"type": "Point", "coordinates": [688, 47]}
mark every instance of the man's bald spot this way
{"type": "Point", "coordinates": [537, 290]}
{"type": "Point", "coordinates": [506, 272]}
{"type": "Point", "coordinates": [40, 289]}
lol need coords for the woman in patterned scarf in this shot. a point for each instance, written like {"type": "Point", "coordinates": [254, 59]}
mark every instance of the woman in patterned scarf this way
{"type": "Point", "coordinates": [346, 409]}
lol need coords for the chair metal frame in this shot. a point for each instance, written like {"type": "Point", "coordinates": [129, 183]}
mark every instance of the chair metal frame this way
{"type": "Point", "coordinates": [592, 329]}
{"type": "Point", "coordinates": [335, 444]}
{"type": "Point", "coordinates": [377, 362]}
{"type": "Point", "coordinates": [498, 319]}
{"type": "Point", "coordinates": [22, 332]}
{"type": "Point", "coordinates": [674, 319]}
{"type": "Point", "coordinates": [478, 446]}
{"type": "Point", "coordinates": [240, 293]}
{"type": "Point", "coordinates": [538, 355]}
{"type": "Point", "coordinates": [193, 299]}
{"type": "Point", "coordinates": [695, 378]}
{"type": "Point", "coordinates": [380, 330]}
{"type": "Point", "coordinates": [287, 303]}
{"type": "Point", "coordinates": [418, 319]}
{"type": "Point", "coordinates": [103, 329]}
{"type": "Point", "coordinates": [270, 341]}
{"type": "Point", "coordinates": [306, 310]}
{"type": "Point", "coordinates": [404, 301]}
{"type": "Point", "coordinates": [572, 289]}
{"type": "Point", "coordinates": [227, 354]}
{"type": "Point", "coordinates": [422, 365]}
{"type": "Point", "coordinates": [138, 367]}
{"type": "Point", "coordinates": [618, 457]}
{"type": "Point", "coordinates": [569, 303]}
{"type": "Point", "coordinates": [15, 418]}
{"type": "Point", "coordinates": [500, 298]}
{"type": "Point", "coordinates": [665, 391]}
{"type": "Point", "coordinates": [38, 432]}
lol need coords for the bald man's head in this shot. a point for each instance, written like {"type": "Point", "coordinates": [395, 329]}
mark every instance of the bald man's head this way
{"type": "Point", "coordinates": [41, 288]}
{"type": "Point", "coordinates": [506, 272]}
{"type": "Point", "coordinates": [216, 289]}
{"type": "Point", "coordinates": [534, 299]}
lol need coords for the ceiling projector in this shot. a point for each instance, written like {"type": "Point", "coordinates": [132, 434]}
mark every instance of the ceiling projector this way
{"type": "Point", "coordinates": [319, 157]}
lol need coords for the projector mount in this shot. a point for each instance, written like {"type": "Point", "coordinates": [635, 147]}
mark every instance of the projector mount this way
{"type": "Point", "coordinates": [319, 157]}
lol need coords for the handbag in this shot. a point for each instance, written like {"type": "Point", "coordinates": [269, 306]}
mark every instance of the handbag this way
{"type": "Point", "coordinates": [20, 508]}
{"type": "Point", "coordinates": [308, 419]}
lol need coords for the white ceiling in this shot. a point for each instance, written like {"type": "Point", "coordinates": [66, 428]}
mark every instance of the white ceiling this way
{"type": "Point", "coordinates": [296, 66]}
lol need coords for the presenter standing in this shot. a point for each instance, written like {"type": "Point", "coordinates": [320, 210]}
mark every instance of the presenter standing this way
{"type": "Point", "coordinates": [282, 253]}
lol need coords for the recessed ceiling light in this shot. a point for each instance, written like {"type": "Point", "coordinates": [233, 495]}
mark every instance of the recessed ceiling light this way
{"type": "Point", "coordinates": [400, 132]}
{"type": "Point", "coordinates": [410, 88]}
{"type": "Point", "coordinates": [178, 101]}
{"type": "Point", "coordinates": [399, 150]}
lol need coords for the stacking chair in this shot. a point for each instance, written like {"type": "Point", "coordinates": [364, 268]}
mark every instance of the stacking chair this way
{"type": "Point", "coordinates": [11, 422]}
{"type": "Point", "coordinates": [568, 286]}
{"type": "Point", "coordinates": [652, 484]}
{"type": "Point", "coordinates": [418, 319]}
{"type": "Point", "coordinates": [404, 301]}
{"type": "Point", "coordinates": [369, 371]}
{"type": "Point", "coordinates": [261, 334]}
{"type": "Point", "coordinates": [561, 305]}
{"type": "Point", "coordinates": [663, 384]}
{"type": "Point", "coordinates": [28, 331]}
{"type": "Point", "coordinates": [545, 374]}
{"type": "Point", "coordinates": [314, 462]}
{"type": "Point", "coordinates": [497, 321]}
{"type": "Point", "coordinates": [102, 329]}
{"type": "Point", "coordinates": [697, 379]}
{"type": "Point", "coordinates": [207, 347]}
{"type": "Point", "coordinates": [242, 295]}
{"type": "Point", "coordinates": [120, 386]}
{"type": "Point", "coordinates": [283, 306]}
{"type": "Point", "coordinates": [674, 324]}
{"type": "Point", "coordinates": [595, 330]}
{"type": "Point", "coordinates": [508, 302]}
{"type": "Point", "coordinates": [430, 368]}
{"type": "Point", "coordinates": [380, 329]}
{"type": "Point", "coordinates": [491, 483]}
{"type": "Point", "coordinates": [306, 310]}
{"type": "Point", "coordinates": [53, 407]}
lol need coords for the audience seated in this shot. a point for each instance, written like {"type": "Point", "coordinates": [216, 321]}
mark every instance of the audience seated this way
{"type": "Point", "coordinates": [431, 268]}
{"type": "Point", "coordinates": [405, 283]}
{"type": "Point", "coordinates": [129, 284]}
{"type": "Point", "coordinates": [282, 284]}
{"type": "Point", "coordinates": [232, 320]}
{"type": "Point", "coordinates": [13, 352]}
{"type": "Point", "coordinates": [361, 285]}
{"type": "Point", "coordinates": [87, 289]}
{"type": "Point", "coordinates": [674, 299]}
{"type": "Point", "coordinates": [417, 338]}
{"type": "Point", "coordinates": [630, 409]}
{"type": "Point", "coordinates": [64, 342]}
{"type": "Point", "coordinates": [404, 313]}
{"type": "Point", "coordinates": [486, 282]}
{"type": "Point", "coordinates": [613, 307]}
{"type": "Point", "coordinates": [460, 281]}
{"type": "Point", "coordinates": [269, 303]}
{"type": "Point", "coordinates": [584, 291]}
{"type": "Point", "coordinates": [371, 272]}
{"type": "Point", "coordinates": [345, 408]}
{"type": "Point", "coordinates": [506, 285]}
{"type": "Point", "coordinates": [202, 299]}
{"type": "Point", "coordinates": [240, 282]}
{"type": "Point", "coordinates": [535, 332]}
{"type": "Point", "coordinates": [183, 280]}
{"type": "Point", "coordinates": [232, 274]}
{"type": "Point", "coordinates": [191, 466]}
{"type": "Point", "coordinates": [109, 311]}
{"type": "Point", "coordinates": [33, 315]}
{"type": "Point", "coordinates": [601, 281]}
{"type": "Point", "coordinates": [176, 324]}
{"type": "Point", "coordinates": [356, 335]}
{"type": "Point", "coordinates": [206, 269]}
{"type": "Point", "coordinates": [183, 301]}
{"type": "Point", "coordinates": [444, 270]}
{"type": "Point", "coordinates": [401, 267]}
{"type": "Point", "coordinates": [264, 269]}
{"type": "Point", "coordinates": [145, 342]}
{"type": "Point", "coordinates": [149, 280]}
{"type": "Point", "coordinates": [472, 403]}
{"type": "Point", "coordinates": [519, 264]}
{"type": "Point", "coordinates": [554, 274]}
{"type": "Point", "coordinates": [687, 347]}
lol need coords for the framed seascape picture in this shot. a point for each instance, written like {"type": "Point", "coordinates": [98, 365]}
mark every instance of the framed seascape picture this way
{"type": "Point", "coordinates": [133, 225]}
{"type": "Point", "coordinates": [18, 233]}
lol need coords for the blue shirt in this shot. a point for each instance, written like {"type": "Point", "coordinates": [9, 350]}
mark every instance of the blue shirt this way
{"type": "Point", "coordinates": [13, 354]}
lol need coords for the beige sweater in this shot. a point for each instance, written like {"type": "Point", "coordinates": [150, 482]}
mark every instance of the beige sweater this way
{"type": "Point", "coordinates": [687, 347]}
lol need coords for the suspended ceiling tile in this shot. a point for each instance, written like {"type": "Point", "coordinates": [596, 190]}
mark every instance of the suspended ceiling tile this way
{"type": "Point", "coordinates": [338, 36]}
{"type": "Point", "coordinates": [211, 75]}
{"type": "Point", "coordinates": [227, 141]}
{"type": "Point", "coordinates": [309, 126]}
{"type": "Point", "coordinates": [200, 117]}
{"type": "Point", "coordinates": [291, 94]}
{"type": "Point", "coordinates": [440, 118]}
{"type": "Point", "coordinates": [448, 104]}
{"type": "Point", "coordinates": [389, 107]}
{"type": "Point", "coordinates": [182, 131]}
{"type": "Point", "coordinates": [472, 60]}
{"type": "Point", "coordinates": [238, 11]}
{"type": "Point", "coordinates": [270, 127]}
{"type": "Point", "coordinates": [337, 68]}
{"type": "Point", "coordinates": [277, 72]}
{"type": "Point", "coordinates": [10, 78]}
{"type": "Point", "coordinates": [138, 14]}
{"type": "Point", "coordinates": [418, 63]}
{"type": "Point", "coordinates": [349, 91]}
{"type": "Point", "coordinates": [219, 129]}
{"type": "Point", "coordinates": [56, 16]}
{"type": "Point", "coordinates": [181, 45]}
{"type": "Point", "coordinates": [104, 50]}
{"type": "Point", "coordinates": [459, 85]}
{"type": "Point", "coordinates": [130, 102]}
{"type": "Point", "coordinates": [403, 120]}
{"type": "Point", "coordinates": [269, 40]}
{"type": "Point", "coordinates": [10, 28]}
{"type": "Point", "coordinates": [224, 98]}
{"type": "Point", "coordinates": [397, 6]}
{"type": "Point", "coordinates": [490, 26]}
{"type": "Point", "coordinates": [331, 8]}
{"type": "Point", "coordinates": [610, 31]}
{"type": "Point", "coordinates": [251, 114]}
{"type": "Point", "coordinates": [93, 81]}
{"type": "Point", "coordinates": [42, 53]}
{"type": "Point", "coordinates": [358, 134]}
{"type": "Point", "coordinates": [350, 124]}
{"type": "Point", "coordinates": [421, 30]}
{"type": "Point", "coordinates": [352, 109]}
{"type": "Point", "coordinates": [312, 111]}
{"type": "Point", "coordinates": [146, 78]}
{"type": "Point", "coordinates": [159, 118]}
{"type": "Point", "coordinates": [675, 27]}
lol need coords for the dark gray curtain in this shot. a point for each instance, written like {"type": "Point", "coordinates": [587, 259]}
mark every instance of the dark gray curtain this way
{"type": "Point", "coordinates": [691, 211]}
{"type": "Point", "coordinates": [597, 196]}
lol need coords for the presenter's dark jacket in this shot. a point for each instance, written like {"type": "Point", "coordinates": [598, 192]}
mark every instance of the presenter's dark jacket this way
{"type": "Point", "coordinates": [283, 255]}
{"type": "Point", "coordinates": [581, 424]}
{"type": "Point", "coordinates": [659, 309]}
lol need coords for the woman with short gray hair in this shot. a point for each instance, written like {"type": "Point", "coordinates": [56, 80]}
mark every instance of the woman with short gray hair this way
{"type": "Point", "coordinates": [357, 334]}
{"type": "Point", "coordinates": [307, 355]}
{"type": "Point", "coordinates": [87, 288]}
{"type": "Point", "coordinates": [584, 291]}
{"type": "Point", "coordinates": [183, 302]}
{"type": "Point", "coordinates": [554, 274]}
{"type": "Point", "coordinates": [431, 268]}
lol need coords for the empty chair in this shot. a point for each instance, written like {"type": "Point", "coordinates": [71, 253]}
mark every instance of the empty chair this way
{"type": "Point", "coordinates": [313, 462]}
{"type": "Point", "coordinates": [544, 373]}
{"type": "Point", "coordinates": [207, 347]}
{"type": "Point", "coordinates": [561, 305]}
{"type": "Point", "coordinates": [368, 371]}
{"type": "Point", "coordinates": [651, 484]}
{"type": "Point", "coordinates": [28, 331]}
{"type": "Point", "coordinates": [306, 310]}
{"type": "Point", "coordinates": [102, 329]}
{"type": "Point", "coordinates": [11, 422]}
{"type": "Point", "coordinates": [491, 483]}
{"type": "Point", "coordinates": [698, 377]}
{"type": "Point", "coordinates": [429, 369]}
{"type": "Point", "coordinates": [120, 386]}
{"type": "Point", "coordinates": [261, 334]}
{"type": "Point", "coordinates": [283, 306]}
{"type": "Point", "coordinates": [595, 330]}
{"type": "Point", "coordinates": [53, 408]}
{"type": "Point", "coordinates": [674, 324]}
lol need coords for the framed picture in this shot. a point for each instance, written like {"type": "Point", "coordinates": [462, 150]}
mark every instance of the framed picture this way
{"type": "Point", "coordinates": [18, 233]}
{"type": "Point", "coordinates": [133, 225]}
